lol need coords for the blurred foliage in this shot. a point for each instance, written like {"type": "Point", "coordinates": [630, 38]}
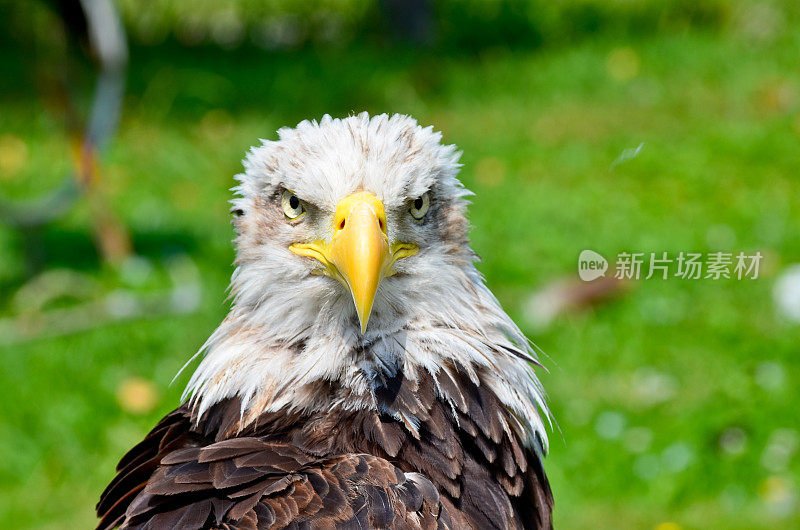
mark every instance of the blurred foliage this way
{"type": "Point", "coordinates": [459, 24]}
{"type": "Point", "coordinates": [675, 404]}
{"type": "Point", "coordinates": [462, 25]}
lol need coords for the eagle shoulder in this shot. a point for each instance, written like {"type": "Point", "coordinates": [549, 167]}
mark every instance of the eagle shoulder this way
{"type": "Point", "coordinates": [457, 466]}
{"type": "Point", "coordinates": [176, 479]}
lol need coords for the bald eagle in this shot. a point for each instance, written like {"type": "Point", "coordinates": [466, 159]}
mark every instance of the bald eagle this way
{"type": "Point", "coordinates": [365, 376]}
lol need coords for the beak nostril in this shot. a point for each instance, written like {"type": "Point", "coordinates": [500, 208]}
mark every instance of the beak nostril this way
{"type": "Point", "coordinates": [342, 223]}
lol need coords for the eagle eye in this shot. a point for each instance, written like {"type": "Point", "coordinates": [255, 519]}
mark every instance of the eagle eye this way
{"type": "Point", "coordinates": [420, 206]}
{"type": "Point", "coordinates": [292, 206]}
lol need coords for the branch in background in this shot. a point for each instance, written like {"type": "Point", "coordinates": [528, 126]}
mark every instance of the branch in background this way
{"type": "Point", "coordinates": [35, 322]}
{"type": "Point", "coordinates": [97, 22]}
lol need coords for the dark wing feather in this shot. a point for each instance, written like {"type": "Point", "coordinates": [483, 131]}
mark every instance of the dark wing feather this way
{"type": "Point", "coordinates": [495, 468]}
{"type": "Point", "coordinates": [257, 483]}
{"type": "Point", "coordinates": [136, 467]}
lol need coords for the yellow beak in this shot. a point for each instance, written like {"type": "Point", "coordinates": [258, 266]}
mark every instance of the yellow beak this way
{"type": "Point", "coordinates": [358, 254]}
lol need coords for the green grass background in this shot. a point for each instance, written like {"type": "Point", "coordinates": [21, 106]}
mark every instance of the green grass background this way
{"type": "Point", "coordinates": [647, 390]}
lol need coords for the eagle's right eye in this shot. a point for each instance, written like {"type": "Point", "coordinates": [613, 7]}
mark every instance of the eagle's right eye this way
{"type": "Point", "coordinates": [292, 206]}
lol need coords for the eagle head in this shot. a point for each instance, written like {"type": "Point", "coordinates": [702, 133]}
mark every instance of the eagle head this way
{"type": "Point", "coordinates": [353, 265]}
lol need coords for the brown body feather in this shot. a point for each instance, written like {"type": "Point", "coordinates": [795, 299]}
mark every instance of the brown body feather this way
{"type": "Point", "coordinates": [455, 467]}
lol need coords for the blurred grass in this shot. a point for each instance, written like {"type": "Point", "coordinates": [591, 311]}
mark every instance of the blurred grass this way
{"type": "Point", "coordinates": [664, 412]}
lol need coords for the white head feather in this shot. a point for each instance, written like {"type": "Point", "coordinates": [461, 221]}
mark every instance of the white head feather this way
{"type": "Point", "coordinates": [289, 328]}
